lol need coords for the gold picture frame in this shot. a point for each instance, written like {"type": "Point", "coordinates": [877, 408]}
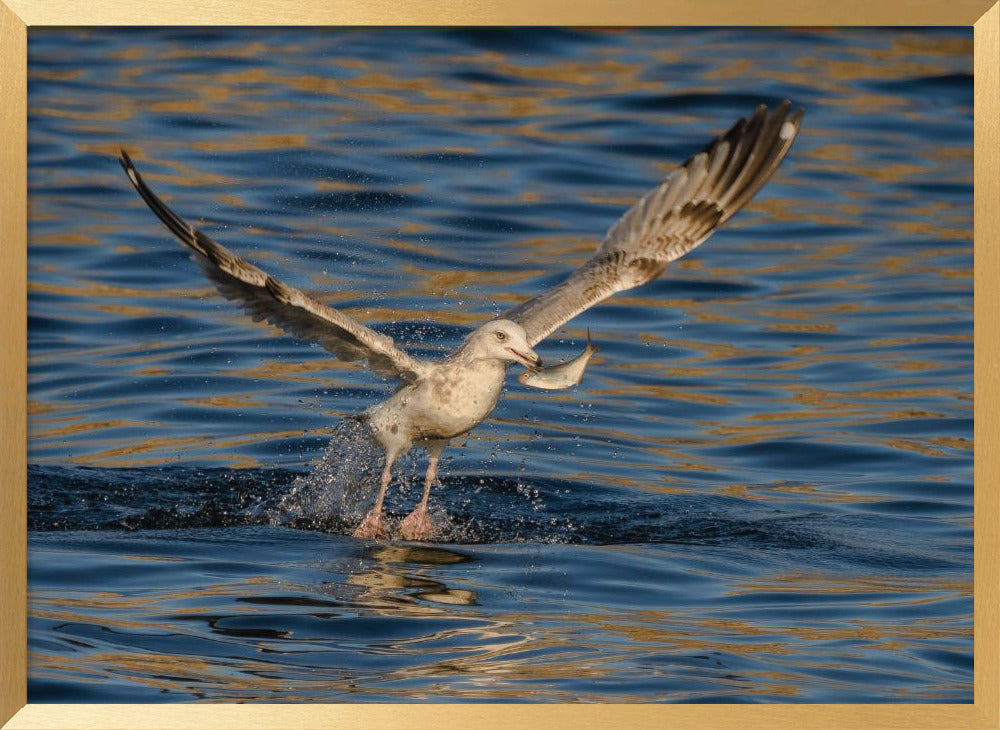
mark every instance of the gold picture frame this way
{"type": "Point", "coordinates": [17, 15]}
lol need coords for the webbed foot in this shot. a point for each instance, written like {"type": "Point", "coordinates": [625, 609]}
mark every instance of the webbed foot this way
{"type": "Point", "coordinates": [372, 527]}
{"type": "Point", "coordinates": [417, 525]}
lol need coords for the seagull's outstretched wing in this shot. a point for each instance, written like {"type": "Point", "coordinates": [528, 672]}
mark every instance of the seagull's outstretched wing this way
{"type": "Point", "coordinates": [266, 298]}
{"type": "Point", "coordinates": [669, 220]}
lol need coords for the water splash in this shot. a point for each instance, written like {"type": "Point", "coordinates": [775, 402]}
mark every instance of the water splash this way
{"type": "Point", "coordinates": [341, 487]}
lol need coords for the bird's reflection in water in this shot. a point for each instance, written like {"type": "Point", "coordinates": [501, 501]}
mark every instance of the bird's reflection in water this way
{"type": "Point", "coordinates": [400, 571]}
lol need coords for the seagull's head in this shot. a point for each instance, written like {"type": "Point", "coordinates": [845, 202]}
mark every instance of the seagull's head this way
{"type": "Point", "coordinates": [504, 340]}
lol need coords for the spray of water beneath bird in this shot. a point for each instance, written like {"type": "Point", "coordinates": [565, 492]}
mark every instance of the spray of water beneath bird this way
{"type": "Point", "coordinates": [441, 400]}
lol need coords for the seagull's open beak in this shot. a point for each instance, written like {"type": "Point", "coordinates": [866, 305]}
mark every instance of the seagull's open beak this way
{"type": "Point", "coordinates": [529, 359]}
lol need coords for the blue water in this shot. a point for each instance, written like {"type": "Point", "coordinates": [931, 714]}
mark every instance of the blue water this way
{"type": "Point", "coordinates": [761, 491]}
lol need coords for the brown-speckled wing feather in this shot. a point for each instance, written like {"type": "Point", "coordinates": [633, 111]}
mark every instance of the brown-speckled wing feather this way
{"type": "Point", "coordinates": [267, 298]}
{"type": "Point", "coordinates": [669, 220]}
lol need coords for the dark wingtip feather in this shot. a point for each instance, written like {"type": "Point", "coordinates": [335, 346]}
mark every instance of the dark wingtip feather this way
{"type": "Point", "coordinates": [127, 165]}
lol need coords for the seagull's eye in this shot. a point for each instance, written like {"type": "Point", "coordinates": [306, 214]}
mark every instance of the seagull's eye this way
{"type": "Point", "coordinates": [501, 336]}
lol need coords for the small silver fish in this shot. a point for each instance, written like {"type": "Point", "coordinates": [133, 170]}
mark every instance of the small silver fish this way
{"type": "Point", "coordinates": [561, 376]}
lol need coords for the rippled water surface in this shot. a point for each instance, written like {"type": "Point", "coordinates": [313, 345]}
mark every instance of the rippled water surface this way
{"type": "Point", "coordinates": [761, 491]}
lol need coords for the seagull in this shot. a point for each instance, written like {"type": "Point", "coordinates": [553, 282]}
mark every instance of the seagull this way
{"type": "Point", "coordinates": [440, 400]}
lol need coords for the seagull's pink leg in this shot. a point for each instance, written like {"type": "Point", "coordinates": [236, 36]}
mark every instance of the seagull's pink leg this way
{"type": "Point", "coordinates": [417, 525]}
{"type": "Point", "coordinates": [372, 527]}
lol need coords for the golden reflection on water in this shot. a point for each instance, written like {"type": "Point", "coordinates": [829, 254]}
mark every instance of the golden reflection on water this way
{"type": "Point", "coordinates": [160, 450]}
{"type": "Point", "coordinates": [495, 652]}
{"type": "Point", "coordinates": [374, 91]}
{"type": "Point", "coordinates": [490, 657]}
